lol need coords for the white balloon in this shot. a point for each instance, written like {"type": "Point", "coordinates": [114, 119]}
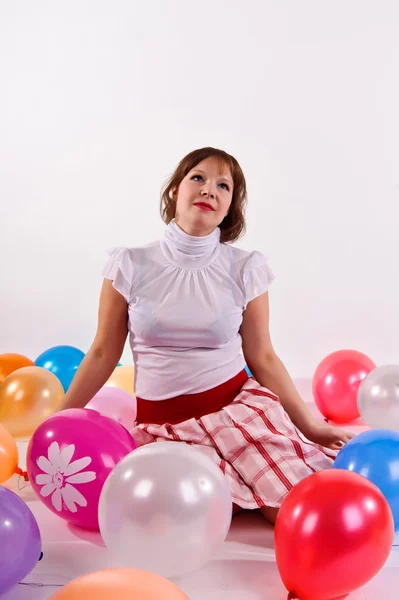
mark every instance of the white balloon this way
{"type": "Point", "coordinates": [378, 398]}
{"type": "Point", "coordinates": [165, 508]}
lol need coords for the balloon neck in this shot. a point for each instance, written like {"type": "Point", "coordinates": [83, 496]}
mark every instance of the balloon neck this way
{"type": "Point", "coordinates": [22, 473]}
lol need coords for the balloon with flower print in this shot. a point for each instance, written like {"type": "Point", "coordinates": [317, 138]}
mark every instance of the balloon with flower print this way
{"type": "Point", "coordinates": [69, 458]}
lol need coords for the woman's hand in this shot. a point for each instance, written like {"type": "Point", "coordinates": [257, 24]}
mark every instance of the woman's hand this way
{"type": "Point", "coordinates": [327, 435]}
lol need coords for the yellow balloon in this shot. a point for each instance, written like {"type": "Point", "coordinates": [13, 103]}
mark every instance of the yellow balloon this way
{"type": "Point", "coordinates": [8, 455]}
{"type": "Point", "coordinates": [123, 377]}
{"type": "Point", "coordinates": [123, 584]}
{"type": "Point", "coordinates": [27, 398]}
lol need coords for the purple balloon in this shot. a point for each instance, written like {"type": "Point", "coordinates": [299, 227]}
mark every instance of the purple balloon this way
{"type": "Point", "coordinates": [20, 541]}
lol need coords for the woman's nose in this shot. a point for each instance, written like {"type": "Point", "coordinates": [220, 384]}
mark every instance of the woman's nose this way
{"type": "Point", "coordinates": [208, 192]}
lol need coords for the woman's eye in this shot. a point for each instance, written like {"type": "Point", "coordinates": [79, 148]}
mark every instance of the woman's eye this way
{"type": "Point", "coordinates": [226, 187]}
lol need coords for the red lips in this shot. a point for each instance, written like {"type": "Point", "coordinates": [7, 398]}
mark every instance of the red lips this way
{"type": "Point", "coordinates": [204, 205]}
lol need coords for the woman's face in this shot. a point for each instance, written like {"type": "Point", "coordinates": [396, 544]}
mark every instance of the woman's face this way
{"type": "Point", "coordinates": [209, 182]}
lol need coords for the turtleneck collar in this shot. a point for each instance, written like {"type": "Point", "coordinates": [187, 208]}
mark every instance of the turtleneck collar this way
{"type": "Point", "coordinates": [189, 251]}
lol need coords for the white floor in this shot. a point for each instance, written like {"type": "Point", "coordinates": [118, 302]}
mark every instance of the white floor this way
{"type": "Point", "coordinates": [245, 569]}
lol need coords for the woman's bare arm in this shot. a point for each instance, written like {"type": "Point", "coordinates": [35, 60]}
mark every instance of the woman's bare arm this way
{"type": "Point", "coordinates": [105, 351]}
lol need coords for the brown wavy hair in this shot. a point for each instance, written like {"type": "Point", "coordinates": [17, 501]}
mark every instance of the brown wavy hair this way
{"type": "Point", "coordinates": [233, 225]}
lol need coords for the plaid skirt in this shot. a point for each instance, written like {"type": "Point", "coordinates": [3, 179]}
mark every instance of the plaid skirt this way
{"type": "Point", "coordinates": [254, 443]}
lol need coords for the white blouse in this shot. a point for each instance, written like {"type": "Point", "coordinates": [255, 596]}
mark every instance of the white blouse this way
{"type": "Point", "coordinates": [186, 296]}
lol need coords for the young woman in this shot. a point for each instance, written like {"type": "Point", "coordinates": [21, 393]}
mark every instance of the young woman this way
{"type": "Point", "coordinates": [196, 309]}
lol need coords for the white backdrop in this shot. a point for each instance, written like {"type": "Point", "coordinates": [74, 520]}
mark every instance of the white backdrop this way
{"type": "Point", "coordinates": [99, 100]}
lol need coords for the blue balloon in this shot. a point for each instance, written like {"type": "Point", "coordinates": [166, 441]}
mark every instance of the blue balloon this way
{"type": "Point", "coordinates": [63, 361]}
{"type": "Point", "coordinates": [20, 541]}
{"type": "Point", "coordinates": [375, 455]}
{"type": "Point", "coordinates": [248, 371]}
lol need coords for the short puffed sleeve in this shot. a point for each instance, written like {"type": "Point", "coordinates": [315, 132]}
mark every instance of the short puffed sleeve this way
{"type": "Point", "coordinates": [257, 277]}
{"type": "Point", "coordinates": [119, 269]}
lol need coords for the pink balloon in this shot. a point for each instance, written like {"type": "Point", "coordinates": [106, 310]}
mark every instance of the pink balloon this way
{"type": "Point", "coordinates": [69, 458]}
{"type": "Point", "coordinates": [116, 404]}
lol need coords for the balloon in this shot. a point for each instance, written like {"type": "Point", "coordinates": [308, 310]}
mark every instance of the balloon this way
{"type": "Point", "coordinates": [166, 507]}
{"type": "Point", "coordinates": [69, 458]}
{"type": "Point", "coordinates": [123, 584]}
{"type": "Point", "coordinates": [11, 362]}
{"type": "Point", "coordinates": [375, 455]}
{"type": "Point", "coordinates": [336, 382]}
{"type": "Point", "coordinates": [378, 398]}
{"type": "Point", "coordinates": [27, 397]}
{"type": "Point", "coordinates": [63, 361]}
{"type": "Point", "coordinates": [333, 533]}
{"type": "Point", "coordinates": [116, 404]}
{"type": "Point", "coordinates": [21, 544]}
{"type": "Point", "coordinates": [8, 455]}
{"type": "Point", "coordinates": [122, 377]}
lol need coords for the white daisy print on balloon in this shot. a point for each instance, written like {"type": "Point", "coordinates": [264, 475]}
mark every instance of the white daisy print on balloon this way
{"type": "Point", "coordinates": [59, 475]}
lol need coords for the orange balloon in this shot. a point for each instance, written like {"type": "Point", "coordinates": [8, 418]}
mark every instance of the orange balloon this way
{"type": "Point", "coordinates": [8, 455]}
{"type": "Point", "coordinates": [11, 362]}
{"type": "Point", "coordinates": [27, 398]}
{"type": "Point", "coordinates": [123, 584]}
{"type": "Point", "coordinates": [123, 377]}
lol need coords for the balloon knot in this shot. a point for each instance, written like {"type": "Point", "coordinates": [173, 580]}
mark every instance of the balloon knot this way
{"type": "Point", "coordinates": [291, 596]}
{"type": "Point", "coordinates": [22, 473]}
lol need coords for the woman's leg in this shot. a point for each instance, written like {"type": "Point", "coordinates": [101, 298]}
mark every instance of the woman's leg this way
{"type": "Point", "coordinates": [270, 513]}
{"type": "Point", "coordinates": [236, 509]}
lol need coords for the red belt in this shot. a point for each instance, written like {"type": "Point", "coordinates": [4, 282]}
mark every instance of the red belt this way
{"type": "Point", "coordinates": [180, 408]}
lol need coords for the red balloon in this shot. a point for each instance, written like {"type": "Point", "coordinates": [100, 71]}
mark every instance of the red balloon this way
{"type": "Point", "coordinates": [333, 533]}
{"type": "Point", "coordinates": [336, 382]}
